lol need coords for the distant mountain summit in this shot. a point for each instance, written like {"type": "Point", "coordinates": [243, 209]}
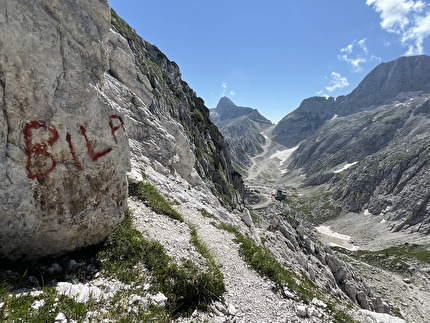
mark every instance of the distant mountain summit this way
{"type": "Point", "coordinates": [241, 127]}
{"type": "Point", "coordinates": [227, 110]}
{"type": "Point", "coordinates": [371, 146]}
{"type": "Point", "coordinates": [383, 83]}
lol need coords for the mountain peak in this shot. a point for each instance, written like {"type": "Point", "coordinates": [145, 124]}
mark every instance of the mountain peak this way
{"type": "Point", "coordinates": [383, 84]}
{"type": "Point", "coordinates": [387, 80]}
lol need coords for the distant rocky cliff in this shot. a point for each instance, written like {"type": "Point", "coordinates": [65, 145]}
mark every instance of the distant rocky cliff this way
{"type": "Point", "coordinates": [241, 127]}
{"type": "Point", "coordinates": [374, 149]}
{"type": "Point", "coordinates": [385, 82]}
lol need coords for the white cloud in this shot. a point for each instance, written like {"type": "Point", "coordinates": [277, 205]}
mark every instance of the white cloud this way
{"type": "Point", "coordinates": [356, 53]}
{"type": "Point", "coordinates": [347, 49]}
{"type": "Point", "coordinates": [409, 19]}
{"type": "Point", "coordinates": [362, 44]}
{"type": "Point", "coordinates": [337, 82]}
{"type": "Point", "coordinates": [225, 90]}
{"type": "Point", "coordinates": [355, 62]}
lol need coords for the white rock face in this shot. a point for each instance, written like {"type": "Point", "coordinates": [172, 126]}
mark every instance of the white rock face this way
{"type": "Point", "coordinates": [63, 147]}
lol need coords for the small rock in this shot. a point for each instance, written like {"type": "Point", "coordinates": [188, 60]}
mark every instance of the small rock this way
{"type": "Point", "coordinates": [231, 309]}
{"type": "Point", "coordinates": [32, 280]}
{"type": "Point", "coordinates": [71, 264]}
{"type": "Point", "coordinates": [221, 308]}
{"type": "Point", "coordinates": [37, 304]}
{"type": "Point", "coordinates": [91, 269]}
{"type": "Point", "coordinates": [318, 303]}
{"type": "Point", "coordinates": [288, 294]}
{"type": "Point", "coordinates": [302, 311]}
{"type": "Point", "coordinates": [159, 299]}
{"type": "Point", "coordinates": [407, 281]}
{"type": "Point", "coordinates": [55, 268]}
{"type": "Point", "coordinates": [292, 319]}
{"type": "Point", "coordinates": [60, 318]}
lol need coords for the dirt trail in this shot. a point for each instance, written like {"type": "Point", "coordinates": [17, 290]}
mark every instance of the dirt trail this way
{"type": "Point", "coordinates": [255, 169]}
{"type": "Point", "coordinates": [249, 297]}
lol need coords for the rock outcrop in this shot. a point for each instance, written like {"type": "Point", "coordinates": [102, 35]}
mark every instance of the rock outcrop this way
{"type": "Point", "coordinates": [299, 250]}
{"type": "Point", "coordinates": [241, 128]}
{"type": "Point", "coordinates": [63, 147]}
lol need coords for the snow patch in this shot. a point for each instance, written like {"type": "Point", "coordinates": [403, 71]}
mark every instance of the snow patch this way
{"type": "Point", "coordinates": [329, 232]}
{"type": "Point", "coordinates": [283, 155]}
{"type": "Point", "coordinates": [346, 166]}
{"type": "Point", "coordinates": [334, 117]}
{"type": "Point", "coordinates": [345, 240]}
{"type": "Point", "coordinates": [382, 317]}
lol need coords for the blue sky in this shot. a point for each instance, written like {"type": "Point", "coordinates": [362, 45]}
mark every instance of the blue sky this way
{"type": "Point", "coordinates": [272, 54]}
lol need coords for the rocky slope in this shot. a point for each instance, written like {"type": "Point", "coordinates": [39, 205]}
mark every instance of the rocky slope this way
{"type": "Point", "coordinates": [168, 125]}
{"type": "Point", "coordinates": [68, 126]}
{"type": "Point", "coordinates": [241, 128]}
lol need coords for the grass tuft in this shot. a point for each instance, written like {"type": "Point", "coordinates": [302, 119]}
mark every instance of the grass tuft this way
{"type": "Point", "coordinates": [146, 192]}
{"type": "Point", "coordinates": [187, 286]}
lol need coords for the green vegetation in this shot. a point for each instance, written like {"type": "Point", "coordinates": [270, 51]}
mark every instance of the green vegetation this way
{"type": "Point", "coordinates": [316, 206]}
{"type": "Point", "coordinates": [205, 213]}
{"type": "Point", "coordinates": [255, 218]}
{"type": "Point", "coordinates": [393, 258]}
{"type": "Point", "coordinates": [19, 308]}
{"type": "Point", "coordinates": [146, 192]}
{"type": "Point", "coordinates": [122, 256]}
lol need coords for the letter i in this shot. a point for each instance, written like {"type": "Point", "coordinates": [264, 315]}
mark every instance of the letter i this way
{"type": "Point", "coordinates": [72, 151]}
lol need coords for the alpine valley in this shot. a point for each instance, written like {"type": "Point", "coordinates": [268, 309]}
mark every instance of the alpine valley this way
{"type": "Point", "coordinates": [123, 198]}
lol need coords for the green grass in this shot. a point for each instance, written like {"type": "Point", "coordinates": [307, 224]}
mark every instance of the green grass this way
{"type": "Point", "coordinates": [187, 286]}
{"type": "Point", "coordinates": [18, 308]}
{"type": "Point", "coordinates": [205, 213]}
{"type": "Point", "coordinates": [393, 258]}
{"type": "Point", "coordinates": [127, 256]}
{"type": "Point", "coordinates": [255, 218]}
{"type": "Point", "coordinates": [146, 192]}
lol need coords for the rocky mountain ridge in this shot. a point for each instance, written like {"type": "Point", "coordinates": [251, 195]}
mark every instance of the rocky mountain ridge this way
{"type": "Point", "coordinates": [376, 160]}
{"type": "Point", "coordinates": [241, 128]}
{"type": "Point", "coordinates": [384, 82]}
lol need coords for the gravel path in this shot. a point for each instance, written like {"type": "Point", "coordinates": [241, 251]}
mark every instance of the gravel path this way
{"type": "Point", "coordinates": [249, 298]}
{"type": "Point", "coordinates": [255, 170]}
{"type": "Point", "coordinates": [248, 295]}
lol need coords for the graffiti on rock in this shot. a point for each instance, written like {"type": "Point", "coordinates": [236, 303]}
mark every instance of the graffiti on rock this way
{"type": "Point", "coordinates": [41, 162]}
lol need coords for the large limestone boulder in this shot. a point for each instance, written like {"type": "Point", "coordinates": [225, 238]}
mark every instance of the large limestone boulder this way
{"type": "Point", "coordinates": [63, 147]}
